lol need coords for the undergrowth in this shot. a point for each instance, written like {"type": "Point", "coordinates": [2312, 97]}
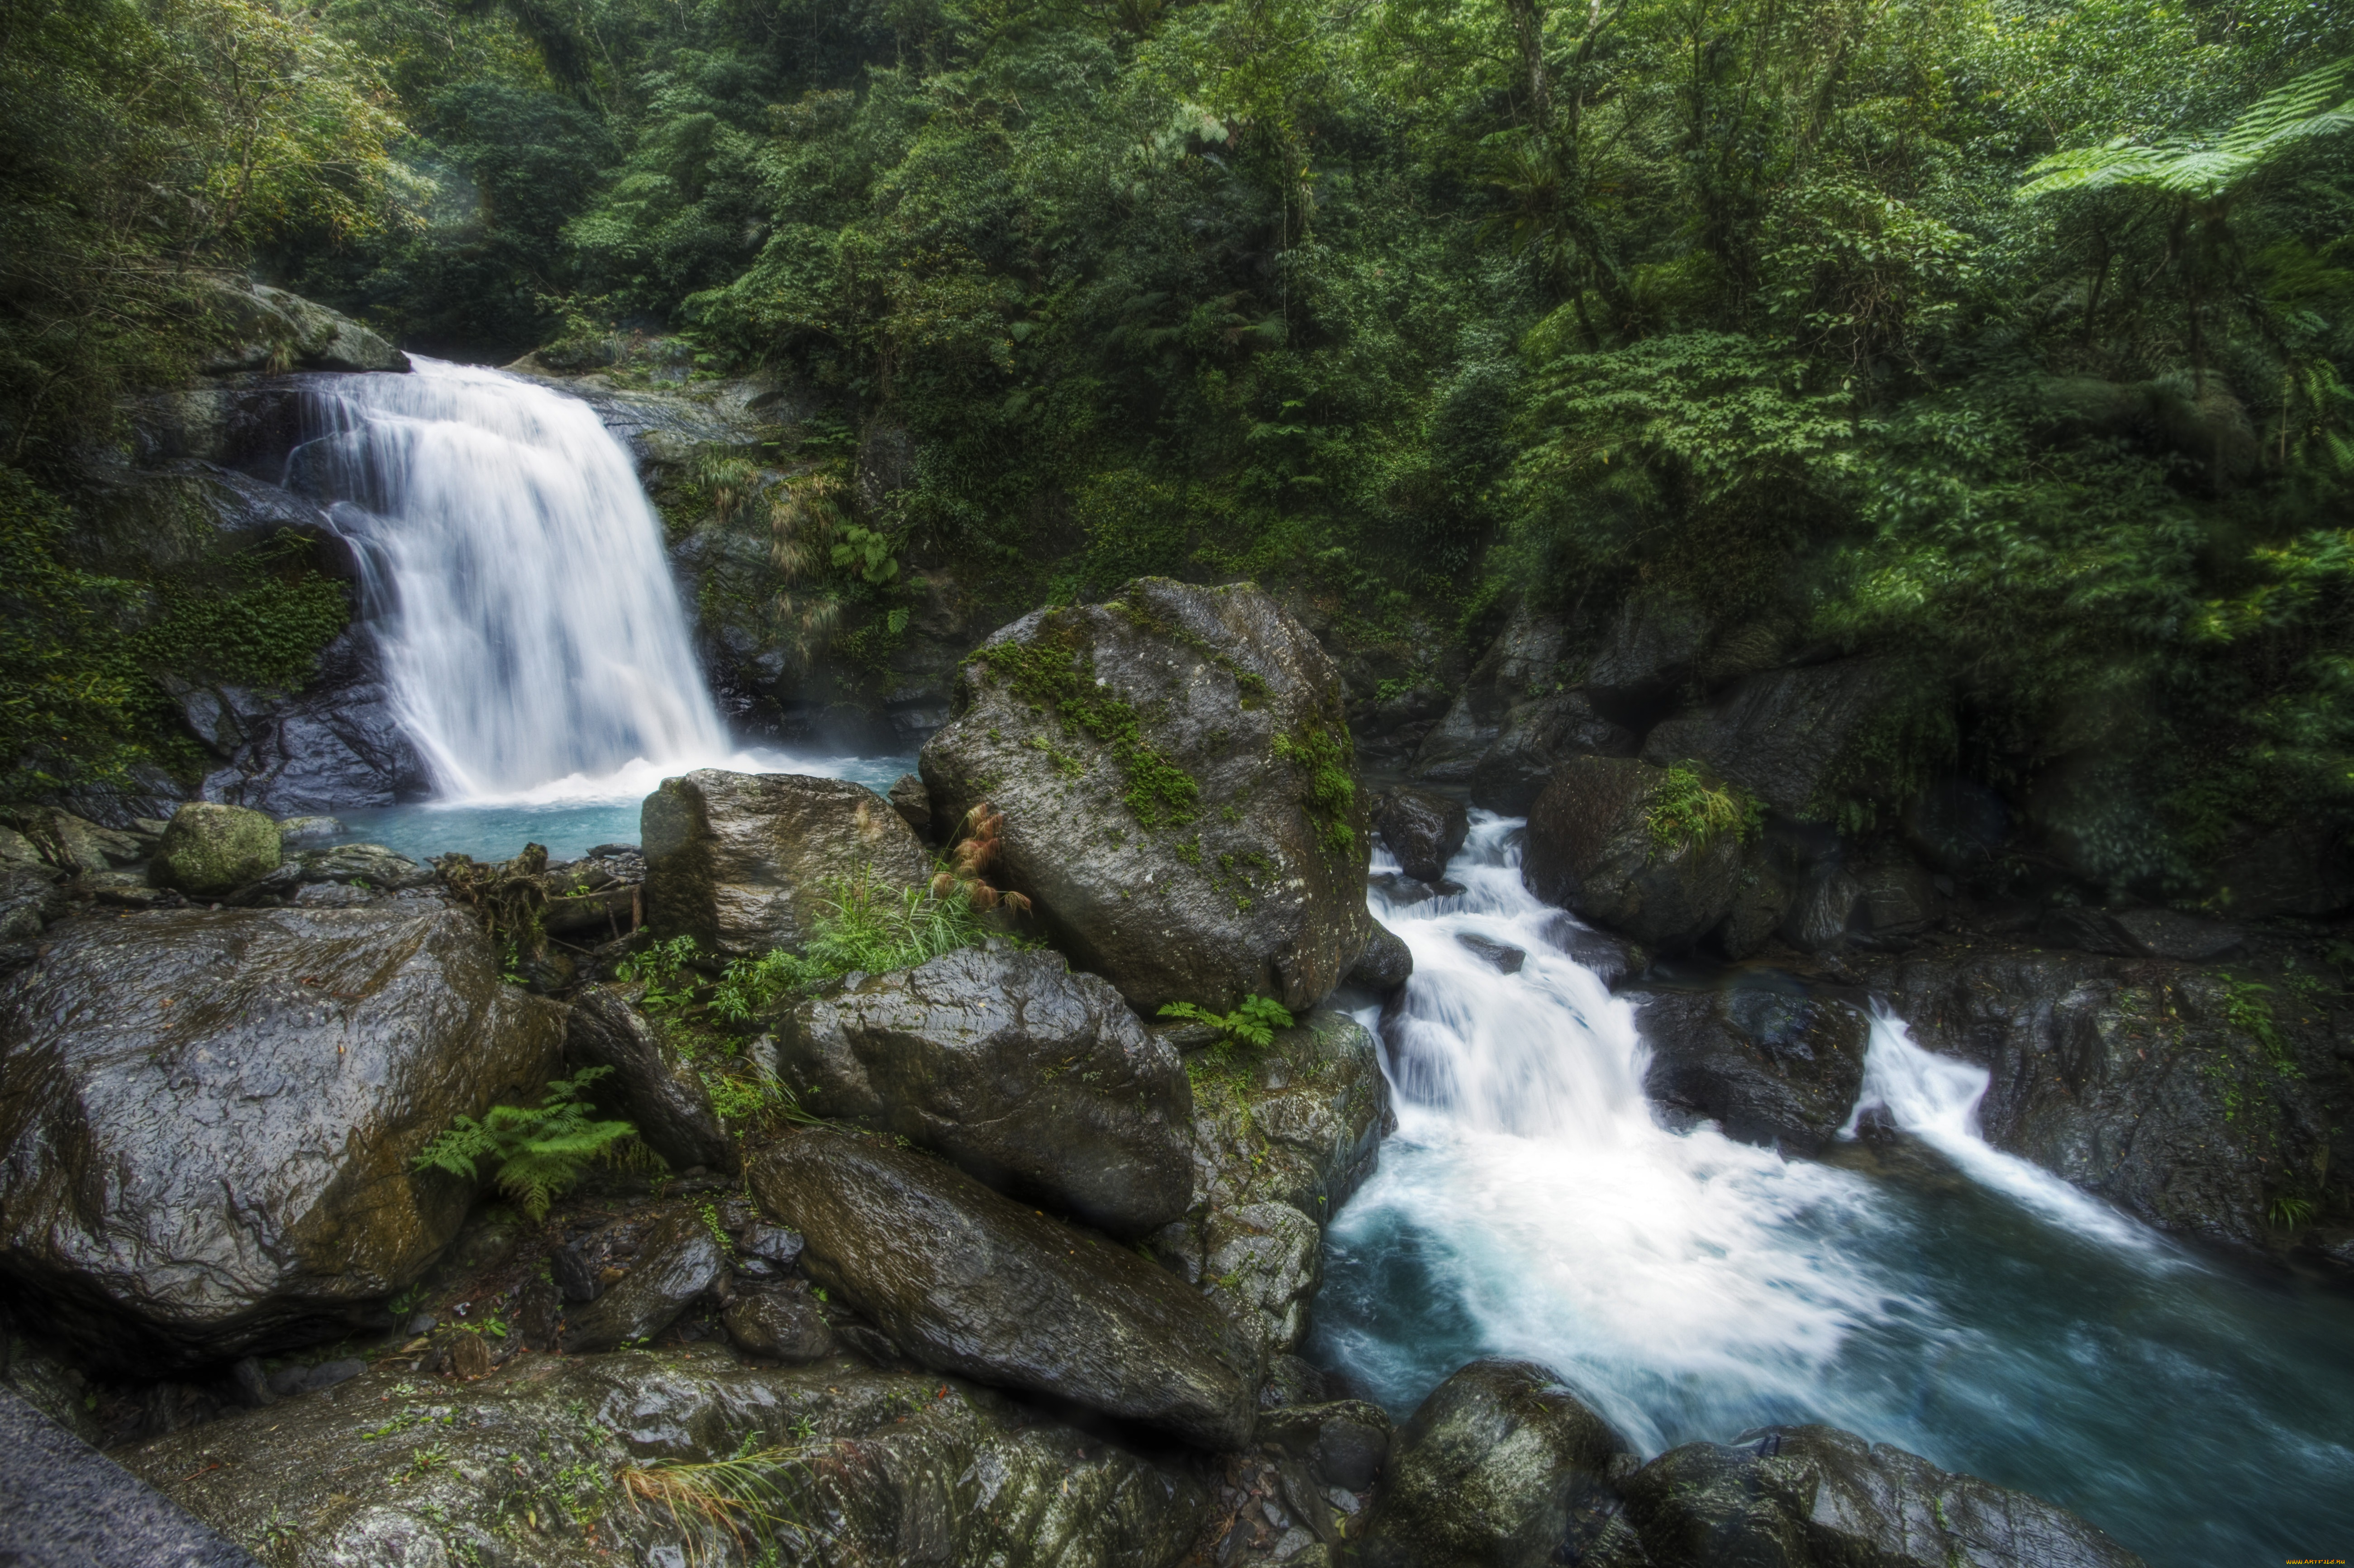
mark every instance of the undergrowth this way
{"type": "Point", "coordinates": [1686, 813]}
{"type": "Point", "coordinates": [540, 1150]}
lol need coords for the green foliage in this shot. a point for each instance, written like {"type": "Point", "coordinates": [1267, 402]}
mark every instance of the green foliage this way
{"type": "Point", "coordinates": [66, 702]}
{"type": "Point", "coordinates": [867, 929]}
{"type": "Point", "coordinates": [1323, 753]}
{"type": "Point", "coordinates": [866, 553]}
{"type": "Point", "coordinates": [665, 967]}
{"type": "Point", "coordinates": [1687, 812]}
{"type": "Point", "coordinates": [1252, 1024]}
{"type": "Point", "coordinates": [539, 1151]}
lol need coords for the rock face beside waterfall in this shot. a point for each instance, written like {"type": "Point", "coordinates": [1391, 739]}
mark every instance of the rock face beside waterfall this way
{"type": "Point", "coordinates": [2191, 1099]}
{"type": "Point", "coordinates": [208, 1118]}
{"type": "Point", "coordinates": [1591, 851]}
{"type": "Point", "coordinates": [900, 1467]}
{"type": "Point", "coordinates": [1038, 1081]}
{"type": "Point", "coordinates": [1504, 1466]}
{"type": "Point", "coordinates": [1282, 1136]}
{"type": "Point", "coordinates": [1179, 788]}
{"type": "Point", "coordinates": [970, 1282]}
{"type": "Point", "coordinates": [1769, 1065]}
{"type": "Point", "coordinates": [744, 863]}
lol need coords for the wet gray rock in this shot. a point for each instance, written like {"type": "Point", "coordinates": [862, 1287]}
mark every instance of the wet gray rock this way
{"type": "Point", "coordinates": [913, 802]}
{"type": "Point", "coordinates": [678, 1260]}
{"type": "Point", "coordinates": [1789, 736]}
{"type": "Point", "coordinates": [30, 899]}
{"type": "Point", "coordinates": [298, 833]}
{"type": "Point", "coordinates": [779, 1324]}
{"type": "Point", "coordinates": [1345, 1443]}
{"type": "Point", "coordinates": [744, 862]}
{"type": "Point", "coordinates": [1650, 653]}
{"type": "Point", "coordinates": [1535, 737]}
{"type": "Point", "coordinates": [1422, 830]}
{"type": "Point", "coordinates": [968, 1281]}
{"type": "Point", "coordinates": [1179, 789]}
{"type": "Point", "coordinates": [1502, 957]}
{"type": "Point", "coordinates": [890, 1463]}
{"type": "Point", "coordinates": [1816, 1497]}
{"type": "Point", "coordinates": [1387, 963]}
{"type": "Point", "coordinates": [335, 745]}
{"type": "Point", "coordinates": [378, 868]}
{"type": "Point", "coordinates": [1038, 1081]}
{"type": "Point", "coordinates": [1614, 959]}
{"type": "Point", "coordinates": [1263, 1264]}
{"type": "Point", "coordinates": [1590, 851]}
{"type": "Point", "coordinates": [1770, 1064]}
{"type": "Point", "coordinates": [648, 1085]}
{"type": "Point", "coordinates": [1489, 1472]}
{"type": "Point", "coordinates": [48, 836]}
{"type": "Point", "coordinates": [61, 1503]}
{"type": "Point", "coordinates": [2132, 1079]}
{"type": "Point", "coordinates": [2140, 934]}
{"type": "Point", "coordinates": [209, 1119]}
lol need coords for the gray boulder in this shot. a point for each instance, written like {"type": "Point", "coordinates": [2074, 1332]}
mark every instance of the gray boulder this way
{"type": "Point", "coordinates": [1535, 737]}
{"type": "Point", "coordinates": [1816, 1497]}
{"type": "Point", "coordinates": [383, 870]}
{"type": "Point", "coordinates": [744, 863]}
{"type": "Point", "coordinates": [1387, 963]}
{"type": "Point", "coordinates": [1179, 789]}
{"type": "Point", "coordinates": [971, 1282]}
{"type": "Point", "coordinates": [1770, 1065]}
{"type": "Point", "coordinates": [779, 1324]}
{"type": "Point", "coordinates": [1038, 1081]}
{"type": "Point", "coordinates": [678, 1260]}
{"type": "Point", "coordinates": [334, 744]}
{"type": "Point", "coordinates": [1490, 1471]}
{"type": "Point", "coordinates": [269, 329]}
{"type": "Point", "coordinates": [913, 802]}
{"type": "Point", "coordinates": [534, 1462]}
{"type": "Point", "coordinates": [209, 1119]}
{"type": "Point", "coordinates": [1422, 830]}
{"type": "Point", "coordinates": [30, 899]}
{"type": "Point", "coordinates": [1793, 738]}
{"type": "Point", "coordinates": [648, 1085]}
{"type": "Point", "coordinates": [1590, 850]}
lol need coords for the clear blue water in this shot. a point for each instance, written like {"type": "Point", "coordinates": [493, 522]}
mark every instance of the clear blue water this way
{"type": "Point", "coordinates": [1941, 1296]}
{"type": "Point", "coordinates": [576, 816]}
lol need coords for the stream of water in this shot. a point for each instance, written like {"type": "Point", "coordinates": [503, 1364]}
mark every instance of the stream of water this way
{"type": "Point", "coordinates": [1945, 1297]}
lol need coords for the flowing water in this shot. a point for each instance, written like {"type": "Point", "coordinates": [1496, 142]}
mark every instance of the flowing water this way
{"type": "Point", "coordinates": [1947, 1298]}
{"type": "Point", "coordinates": [513, 574]}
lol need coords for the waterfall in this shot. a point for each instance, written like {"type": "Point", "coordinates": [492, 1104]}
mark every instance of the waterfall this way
{"type": "Point", "coordinates": [1933, 1293]}
{"type": "Point", "coordinates": [514, 575]}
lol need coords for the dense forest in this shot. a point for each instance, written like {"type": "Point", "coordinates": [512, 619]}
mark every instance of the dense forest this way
{"type": "Point", "coordinates": [2008, 339]}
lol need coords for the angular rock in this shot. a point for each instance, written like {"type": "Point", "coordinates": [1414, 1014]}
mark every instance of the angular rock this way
{"type": "Point", "coordinates": [30, 899]}
{"type": "Point", "coordinates": [1387, 963]}
{"type": "Point", "coordinates": [1590, 851]}
{"type": "Point", "coordinates": [212, 850]}
{"type": "Point", "coordinates": [1179, 791]}
{"type": "Point", "coordinates": [1816, 1497]}
{"type": "Point", "coordinates": [209, 1119]}
{"type": "Point", "coordinates": [744, 862]}
{"type": "Point", "coordinates": [503, 1461]}
{"type": "Point", "coordinates": [295, 832]}
{"type": "Point", "coordinates": [913, 802]}
{"type": "Point", "coordinates": [336, 744]}
{"type": "Point", "coordinates": [1788, 736]}
{"type": "Point", "coordinates": [649, 1086]}
{"type": "Point", "coordinates": [780, 1324]}
{"type": "Point", "coordinates": [1489, 1472]}
{"type": "Point", "coordinates": [67, 842]}
{"type": "Point", "coordinates": [1345, 1442]}
{"type": "Point", "coordinates": [1503, 957]}
{"type": "Point", "coordinates": [373, 866]}
{"type": "Point", "coordinates": [1769, 1066]}
{"type": "Point", "coordinates": [1262, 1264]}
{"type": "Point", "coordinates": [1037, 1081]}
{"type": "Point", "coordinates": [1823, 912]}
{"type": "Point", "coordinates": [678, 1260]}
{"type": "Point", "coordinates": [971, 1282]}
{"type": "Point", "coordinates": [2170, 934]}
{"type": "Point", "coordinates": [1535, 737]}
{"type": "Point", "coordinates": [1422, 830]}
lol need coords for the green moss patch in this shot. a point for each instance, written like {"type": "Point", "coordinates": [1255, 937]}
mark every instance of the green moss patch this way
{"type": "Point", "coordinates": [1052, 675]}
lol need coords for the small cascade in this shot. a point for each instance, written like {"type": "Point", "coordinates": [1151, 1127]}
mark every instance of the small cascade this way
{"type": "Point", "coordinates": [514, 571]}
{"type": "Point", "coordinates": [1933, 1293]}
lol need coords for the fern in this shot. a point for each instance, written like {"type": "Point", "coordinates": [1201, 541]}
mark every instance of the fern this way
{"type": "Point", "coordinates": [2207, 168]}
{"type": "Point", "coordinates": [1253, 1023]}
{"type": "Point", "coordinates": [540, 1150]}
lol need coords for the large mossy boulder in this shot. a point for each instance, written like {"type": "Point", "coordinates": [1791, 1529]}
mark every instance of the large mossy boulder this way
{"type": "Point", "coordinates": [209, 850]}
{"type": "Point", "coordinates": [746, 861]}
{"type": "Point", "coordinates": [968, 1281]}
{"type": "Point", "coordinates": [1816, 1497]}
{"type": "Point", "coordinates": [270, 329]}
{"type": "Point", "coordinates": [561, 1459]}
{"type": "Point", "coordinates": [1038, 1081]}
{"type": "Point", "coordinates": [1593, 849]}
{"type": "Point", "coordinates": [1489, 1472]}
{"type": "Point", "coordinates": [1282, 1136]}
{"type": "Point", "coordinates": [1179, 788]}
{"type": "Point", "coordinates": [1769, 1065]}
{"type": "Point", "coordinates": [209, 1119]}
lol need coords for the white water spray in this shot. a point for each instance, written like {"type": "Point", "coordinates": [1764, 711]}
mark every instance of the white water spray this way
{"type": "Point", "coordinates": [530, 630]}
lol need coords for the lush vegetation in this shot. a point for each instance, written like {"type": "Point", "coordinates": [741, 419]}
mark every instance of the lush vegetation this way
{"type": "Point", "coordinates": [538, 1152]}
{"type": "Point", "coordinates": [2008, 336]}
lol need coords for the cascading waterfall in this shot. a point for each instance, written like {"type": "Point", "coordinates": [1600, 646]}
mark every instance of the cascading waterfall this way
{"type": "Point", "coordinates": [529, 627]}
{"type": "Point", "coordinates": [1944, 1297]}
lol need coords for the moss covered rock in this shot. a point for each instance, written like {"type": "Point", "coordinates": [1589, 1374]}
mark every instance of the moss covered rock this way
{"type": "Point", "coordinates": [209, 850]}
{"type": "Point", "coordinates": [1595, 849]}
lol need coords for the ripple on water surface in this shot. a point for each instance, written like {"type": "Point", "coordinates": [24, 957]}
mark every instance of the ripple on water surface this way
{"type": "Point", "coordinates": [1941, 1296]}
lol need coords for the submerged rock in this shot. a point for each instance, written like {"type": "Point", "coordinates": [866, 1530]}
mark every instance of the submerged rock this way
{"type": "Point", "coordinates": [1489, 1472]}
{"type": "Point", "coordinates": [1591, 851]}
{"type": "Point", "coordinates": [744, 863]}
{"type": "Point", "coordinates": [1179, 791]}
{"type": "Point", "coordinates": [211, 850]}
{"type": "Point", "coordinates": [1770, 1065]}
{"type": "Point", "coordinates": [1038, 1081]}
{"type": "Point", "coordinates": [649, 1086]}
{"type": "Point", "coordinates": [1422, 830]}
{"type": "Point", "coordinates": [560, 1459]}
{"type": "Point", "coordinates": [209, 1119]}
{"type": "Point", "coordinates": [1816, 1497]}
{"type": "Point", "coordinates": [968, 1281]}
